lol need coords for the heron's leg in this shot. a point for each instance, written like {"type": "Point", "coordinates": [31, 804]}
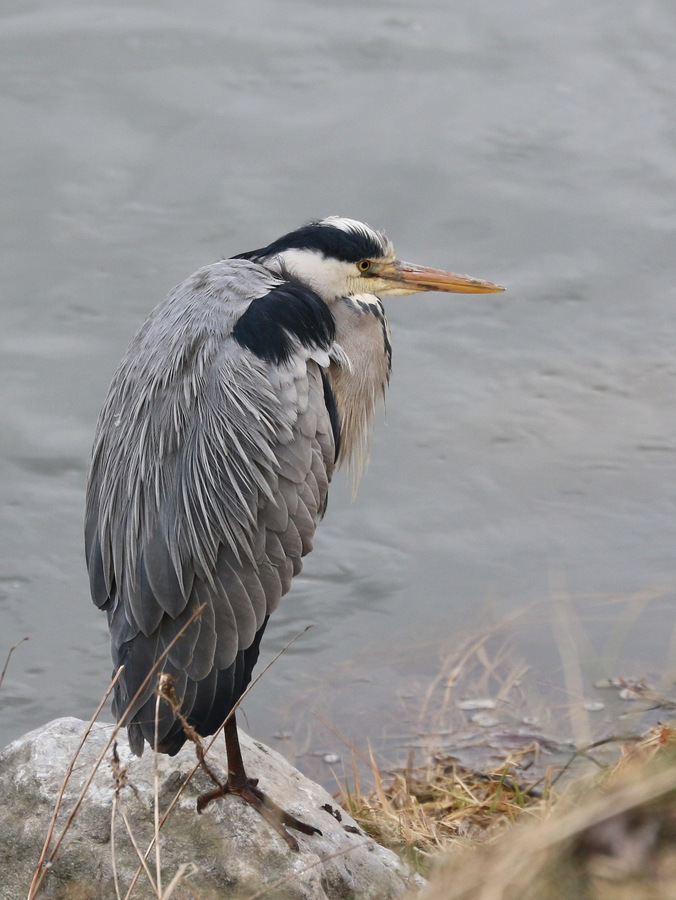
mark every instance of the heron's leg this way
{"type": "Point", "coordinates": [247, 789]}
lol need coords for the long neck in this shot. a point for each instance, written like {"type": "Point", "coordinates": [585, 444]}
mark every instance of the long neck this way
{"type": "Point", "coordinates": [363, 333]}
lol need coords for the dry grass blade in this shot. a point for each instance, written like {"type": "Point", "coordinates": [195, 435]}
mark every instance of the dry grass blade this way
{"type": "Point", "coordinates": [9, 656]}
{"type": "Point", "coordinates": [156, 803]}
{"type": "Point", "coordinates": [41, 870]}
{"type": "Point", "coordinates": [183, 871]}
{"type": "Point", "coordinates": [120, 776]}
{"type": "Point", "coordinates": [139, 853]}
{"type": "Point", "coordinates": [451, 677]}
{"type": "Point", "coordinates": [201, 751]}
{"type": "Point", "coordinates": [116, 882]}
{"type": "Point", "coordinates": [568, 642]}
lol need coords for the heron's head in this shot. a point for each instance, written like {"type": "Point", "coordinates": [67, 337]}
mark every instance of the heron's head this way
{"type": "Point", "coordinates": [340, 257]}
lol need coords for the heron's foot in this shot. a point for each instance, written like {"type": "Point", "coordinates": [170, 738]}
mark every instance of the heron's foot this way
{"type": "Point", "coordinates": [274, 815]}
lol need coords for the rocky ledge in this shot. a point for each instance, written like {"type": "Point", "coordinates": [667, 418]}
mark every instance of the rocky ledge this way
{"type": "Point", "coordinates": [227, 851]}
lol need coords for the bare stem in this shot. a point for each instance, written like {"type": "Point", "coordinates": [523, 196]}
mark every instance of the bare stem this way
{"type": "Point", "coordinates": [9, 656]}
{"type": "Point", "coordinates": [156, 804]}
{"type": "Point", "coordinates": [202, 752]}
{"type": "Point", "coordinates": [113, 856]}
{"type": "Point", "coordinates": [41, 869]}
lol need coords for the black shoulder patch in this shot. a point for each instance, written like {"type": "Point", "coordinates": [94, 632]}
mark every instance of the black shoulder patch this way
{"type": "Point", "coordinates": [291, 311]}
{"type": "Point", "coordinates": [332, 409]}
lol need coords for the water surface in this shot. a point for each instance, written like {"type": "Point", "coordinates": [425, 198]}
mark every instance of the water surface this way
{"type": "Point", "coordinates": [527, 459]}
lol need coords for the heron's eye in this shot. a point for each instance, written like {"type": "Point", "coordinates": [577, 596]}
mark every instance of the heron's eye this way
{"type": "Point", "coordinates": [364, 265]}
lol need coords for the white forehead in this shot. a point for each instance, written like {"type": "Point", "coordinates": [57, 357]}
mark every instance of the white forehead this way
{"type": "Point", "coordinates": [345, 224]}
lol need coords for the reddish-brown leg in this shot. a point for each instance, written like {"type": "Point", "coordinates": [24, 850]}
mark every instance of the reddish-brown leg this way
{"type": "Point", "coordinates": [247, 789]}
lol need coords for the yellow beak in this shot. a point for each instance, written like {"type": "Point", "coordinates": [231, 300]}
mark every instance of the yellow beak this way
{"type": "Point", "coordinates": [403, 277]}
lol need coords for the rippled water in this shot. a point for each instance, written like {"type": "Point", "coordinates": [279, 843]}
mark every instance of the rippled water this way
{"type": "Point", "coordinates": [528, 451]}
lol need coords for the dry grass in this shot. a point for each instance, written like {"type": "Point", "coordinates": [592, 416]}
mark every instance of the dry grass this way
{"type": "Point", "coordinates": [441, 810]}
{"type": "Point", "coordinates": [422, 812]}
{"type": "Point", "coordinates": [585, 841]}
{"type": "Point", "coordinates": [612, 837]}
{"type": "Point", "coordinates": [614, 840]}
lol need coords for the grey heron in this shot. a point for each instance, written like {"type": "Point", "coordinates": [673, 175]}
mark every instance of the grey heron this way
{"type": "Point", "coordinates": [212, 458]}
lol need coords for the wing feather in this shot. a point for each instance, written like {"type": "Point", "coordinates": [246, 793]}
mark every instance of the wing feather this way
{"type": "Point", "coordinates": [275, 513]}
{"type": "Point", "coordinates": [288, 494]}
{"type": "Point", "coordinates": [295, 459]}
{"type": "Point", "coordinates": [210, 471]}
{"type": "Point", "coordinates": [305, 523]}
{"type": "Point", "coordinates": [241, 603]}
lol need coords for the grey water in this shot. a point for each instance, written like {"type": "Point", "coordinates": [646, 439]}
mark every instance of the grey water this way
{"type": "Point", "coordinates": [523, 479]}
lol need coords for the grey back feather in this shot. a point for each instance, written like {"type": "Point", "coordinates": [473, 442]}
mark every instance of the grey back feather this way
{"type": "Point", "coordinates": [209, 473]}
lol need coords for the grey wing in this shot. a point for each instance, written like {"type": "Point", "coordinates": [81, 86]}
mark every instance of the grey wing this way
{"type": "Point", "coordinates": [208, 495]}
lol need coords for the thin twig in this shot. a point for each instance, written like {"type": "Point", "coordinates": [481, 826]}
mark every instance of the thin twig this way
{"type": "Point", "coordinates": [184, 869]}
{"type": "Point", "coordinates": [41, 870]}
{"type": "Point", "coordinates": [564, 621]}
{"type": "Point", "coordinates": [120, 777]}
{"type": "Point", "coordinates": [156, 804]}
{"type": "Point", "coordinates": [113, 856]}
{"type": "Point", "coordinates": [585, 752]}
{"type": "Point", "coordinates": [138, 849]}
{"type": "Point", "coordinates": [210, 744]}
{"type": "Point", "coordinates": [9, 656]}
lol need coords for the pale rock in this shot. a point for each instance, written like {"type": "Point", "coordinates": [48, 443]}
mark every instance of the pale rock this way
{"type": "Point", "coordinates": [235, 852]}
